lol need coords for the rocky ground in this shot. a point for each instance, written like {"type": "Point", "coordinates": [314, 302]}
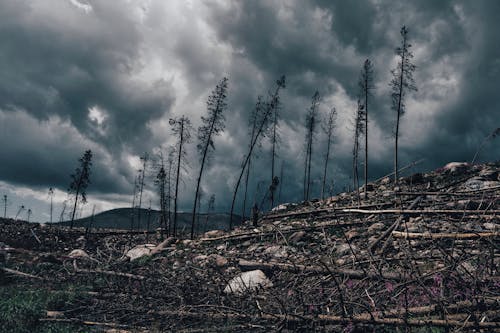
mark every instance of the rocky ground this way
{"type": "Point", "coordinates": [420, 257]}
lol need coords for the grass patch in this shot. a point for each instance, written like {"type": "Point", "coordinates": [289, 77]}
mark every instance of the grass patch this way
{"type": "Point", "coordinates": [21, 310]}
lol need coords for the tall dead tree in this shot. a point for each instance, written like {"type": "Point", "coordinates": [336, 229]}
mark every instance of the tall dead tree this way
{"type": "Point", "coordinates": [181, 127]}
{"type": "Point", "coordinates": [134, 195]}
{"type": "Point", "coordinates": [168, 183]}
{"type": "Point", "coordinates": [274, 137]}
{"type": "Point", "coordinates": [366, 86]}
{"type": "Point", "coordinates": [266, 113]}
{"type": "Point", "coordinates": [142, 174]}
{"type": "Point", "coordinates": [51, 196]}
{"type": "Point", "coordinates": [160, 182]}
{"type": "Point", "coordinates": [402, 82]}
{"type": "Point", "coordinates": [210, 210]}
{"type": "Point", "coordinates": [5, 206]}
{"type": "Point", "coordinates": [254, 118]}
{"type": "Point", "coordinates": [311, 121]}
{"type": "Point", "coordinates": [80, 180]}
{"type": "Point", "coordinates": [328, 128]}
{"type": "Point", "coordinates": [212, 125]}
{"type": "Point", "coordinates": [358, 130]}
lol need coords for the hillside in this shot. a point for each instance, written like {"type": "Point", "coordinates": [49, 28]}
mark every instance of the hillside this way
{"type": "Point", "coordinates": [420, 257]}
{"type": "Point", "coordinates": [120, 218]}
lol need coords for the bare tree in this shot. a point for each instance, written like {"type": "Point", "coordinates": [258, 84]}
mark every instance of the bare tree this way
{"type": "Point", "coordinates": [51, 196]}
{"type": "Point", "coordinates": [142, 174]}
{"type": "Point", "coordinates": [366, 85]}
{"type": "Point", "coordinates": [402, 82]}
{"type": "Point", "coordinates": [5, 206]}
{"type": "Point", "coordinates": [358, 130]}
{"type": "Point", "coordinates": [134, 195]}
{"type": "Point", "coordinates": [19, 211]}
{"type": "Point", "coordinates": [181, 127]}
{"type": "Point", "coordinates": [254, 118]}
{"type": "Point", "coordinates": [170, 164]}
{"type": "Point", "coordinates": [328, 128]}
{"type": "Point", "coordinates": [80, 181]}
{"type": "Point", "coordinates": [266, 112]}
{"type": "Point", "coordinates": [311, 121]}
{"type": "Point", "coordinates": [274, 137]}
{"type": "Point", "coordinates": [212, 125]}
{"type": "Point", "coordinates": [160, 181]}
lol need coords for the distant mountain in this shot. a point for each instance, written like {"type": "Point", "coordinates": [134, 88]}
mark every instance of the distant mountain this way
{"type": "Point", "coordinates": [121, 218]}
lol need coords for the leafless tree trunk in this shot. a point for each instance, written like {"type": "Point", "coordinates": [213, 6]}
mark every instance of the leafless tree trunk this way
{"type": "Point", "coordinates": [401, 82]}
{"type": "Point", "coordinates": [328, 129]}
{"type": "Point", "coordinates": [182, 130]}
{"type": "Point", "coordinates": [212, 126]}
{"type": "Point", "coordinates": [265, 114]}
{"type": "Point", "coordinates": [366, 85]}
{"type": "Point", "coordinates": [310, 126]}
{"type": "Point", "coordinates": [144, 160]}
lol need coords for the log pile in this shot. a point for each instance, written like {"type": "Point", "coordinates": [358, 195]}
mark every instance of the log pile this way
{"type": "Point", "coordinates": [423, 256]}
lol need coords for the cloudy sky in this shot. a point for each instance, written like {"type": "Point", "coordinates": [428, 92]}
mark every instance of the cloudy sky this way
{"type": "Point", "coordinates": [108, 75]}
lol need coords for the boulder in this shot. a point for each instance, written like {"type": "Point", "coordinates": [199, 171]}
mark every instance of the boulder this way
{"type": "Point", "coordinates": [139, 251]}
{"type": "Point", "coordinates": [478, 183]}
{"type": "Point", "coordinates": [248, 282]}
{"type": "Point", "coordinates": [455, 167]}
{"type": "Point", "coordinates": [78, 254]}
{"type": "Point", "coordinates": [213, 234]}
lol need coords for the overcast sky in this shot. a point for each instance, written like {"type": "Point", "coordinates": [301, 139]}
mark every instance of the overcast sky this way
{"type": "Point", "coordinates": [108, 75]}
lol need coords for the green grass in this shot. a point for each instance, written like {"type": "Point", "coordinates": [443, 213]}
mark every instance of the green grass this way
{"type": "Point", "coordinates": [21, 310]}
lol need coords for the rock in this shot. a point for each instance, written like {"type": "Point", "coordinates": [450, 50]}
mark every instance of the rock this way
{"type": "Point", "coordinates": [490, 226]}
{"type": "Point", "coordinates": [344, 248]}
{"type": "Point", "coordinates": [277, 251]}
{"type": "Point", "coordinates": [489, 174]}
{"type": "Point", "coordinates": [220, 261]}
{"type": "Point", "coordinates": [139, 251]}
{"type": "Point", "coordinates": [297, 236]}
{"type": "Point", "coordinates": [200, 258]}
{"type": "Point", "coordinates": [248, 282]}
{"type": "Point", "coordinates": [455, 167]}
{"type": "Point", "coordinates": [385, 180]}
{"type": "Point", "coordinates": [213, 234]}
{"type": "Point", "coordinates": [376, 227]}
{"type": "Point", "coordinates": [280, 207]}
{"type": "Point", "coordinates": [478, 183]}
{"type": "Point", "coordinates": [78, 254]}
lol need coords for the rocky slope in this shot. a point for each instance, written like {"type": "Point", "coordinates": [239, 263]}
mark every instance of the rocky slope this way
{"type": "Point", "coordinates": [421, 257]}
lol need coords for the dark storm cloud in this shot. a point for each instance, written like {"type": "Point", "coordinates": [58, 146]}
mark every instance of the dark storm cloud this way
{"type": "Point", "coordinates": [98, 75]}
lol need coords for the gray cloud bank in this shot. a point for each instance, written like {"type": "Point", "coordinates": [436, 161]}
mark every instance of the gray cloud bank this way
{"type": "Point", "coordinates": [79, 75]}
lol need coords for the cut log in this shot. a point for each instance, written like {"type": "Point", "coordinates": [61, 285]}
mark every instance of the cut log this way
{"type": "Point", "coordinates": [428, 235]}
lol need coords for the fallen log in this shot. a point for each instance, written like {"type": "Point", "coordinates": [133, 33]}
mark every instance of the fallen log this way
{"type": "Point", "coordinates": [394, 226]}
{"type": "Point", "coordinates": [18, 273]}
{"type": "Point", "coordinates": [84, 322]}
{"type": "Point", "coordinates": [428, 235]}
{"type": "Point", "coordinates": [422, 211]}
{"type": "Point", "coordinates": [112, 273]}
{"type": "Point", "coordinates": [254, 234]}
{"type": "Point", "coordinates": [367, 318]}
{"type": "Point", "coordinates": [246, 265]}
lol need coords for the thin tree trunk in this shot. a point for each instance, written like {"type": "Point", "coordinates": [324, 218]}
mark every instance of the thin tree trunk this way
{"type": "Point", "coordinates": [326, 166]}
{"type": "Point", "coordinates": [398, 117]}
{"type": "Point", "coordinates": [177, 177]}
{"type": "Point", "coordinates": [205, 151]}
{"type": "Point", "coordinates": [281, 182]}
{"type": "Point", "coordinates": [76, 200]}
{"type": "Point", "coordinates": [140, 192]}
{"type": "Point", "coordinates": [366, 136]}
{"type": "Point", "coordinates": [273, 156]}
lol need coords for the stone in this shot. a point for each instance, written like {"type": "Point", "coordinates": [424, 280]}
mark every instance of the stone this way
{"type": "Point", "coordinates": [478, 183]}
{"type": "Point", "coordinates": [220, 261]}
{"type": "Point", "coordinates": [351, 234]}
{"type": "Point", "coordinates": [344, 248]}
{"type": "Point", "coordinates": [490, 226]}
{"type": "Point", "coordinates": [276, 251]}
{"type": "Point", "coordinates": [78, 254]}
{"type": "Point", "coordinates": [376, 227]}
{"type": "Point", "coordinates": [213, 234]}
{"type": "Point", "coordinates": [454, 167]}
{"type": "Point", "coordinates": [139, 251]}
{"type": "Point", "coordinates": [248, 282]}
